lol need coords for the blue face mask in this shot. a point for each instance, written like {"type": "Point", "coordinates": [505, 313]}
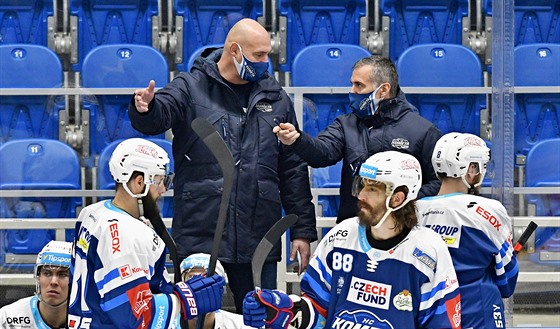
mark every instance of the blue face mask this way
{"type": "Point", "coordinates": [250, 71]}
{"type": "Point", "coordinates": [364, 105]}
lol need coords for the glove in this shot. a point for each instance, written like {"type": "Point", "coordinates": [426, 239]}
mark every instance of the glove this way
{"type": "Point", "coordinates": [271, 307]}
{"type": "Point", "coordinates": [200, 295]}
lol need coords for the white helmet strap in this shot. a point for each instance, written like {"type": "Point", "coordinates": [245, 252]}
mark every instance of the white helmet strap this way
{"type": "Point", "coordinates": [389, 210]}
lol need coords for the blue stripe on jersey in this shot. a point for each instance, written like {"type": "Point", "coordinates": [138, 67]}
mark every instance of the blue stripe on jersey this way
{"type": "Point", "coordinates": [113, 274]}
{"type": "Point", "coordinates": [161, 318]}
{"type": "Point", "coordinates": [109, 205]}
{"type": "Point", "coordinates": [427, 295]}
{"type": "Point", "coordinates": [362, 238]}
{"type": "Point", "coordinates": [114, 302]}
{"type": "Point", "coordinates": [316, 284]}
{"type": "Point", "coordinates": [435, 197]}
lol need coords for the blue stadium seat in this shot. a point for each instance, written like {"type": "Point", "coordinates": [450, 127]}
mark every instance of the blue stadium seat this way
{"type": "Point", "coordinates": [106, 182]}
{"type": "Point", "coordinates": [40, 164]}
{"type": "Point", "coordinates": [536, 21]}
{"type": "Point", "coordinates": [207, 22]}
{"type": "Point", "coordinates": [102, 22]}
{"type": "Point", "coordinates": [444, 65]}
{"type": "Point", "coordinates": [542, 170]}
{"type": "Point", "coordinates": [310, 22]}
{"type": "Point", "coordinates": [25, 21]}
{"type": "Point", "coordinates": [537, 116]}
{"type": "Point", "coordinates": [414, 22]}
{"type": "Point", "coordinates": [29, 66]}
{"type": "Point", "coordinates": [320, 110]}
{"type": "Point", "coordinates": [118, 66]}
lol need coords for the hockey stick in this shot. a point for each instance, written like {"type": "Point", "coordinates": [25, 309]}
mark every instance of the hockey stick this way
{"type": "Point", "coordinates": [525, 236]}
{"type": "Point", "coordinates": [219, 149]}
{"type": "Point", "coordinates": [266, 244]}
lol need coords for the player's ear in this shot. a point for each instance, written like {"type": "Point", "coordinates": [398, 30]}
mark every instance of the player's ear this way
{"type": "Point", "coordinates": [397, 199]}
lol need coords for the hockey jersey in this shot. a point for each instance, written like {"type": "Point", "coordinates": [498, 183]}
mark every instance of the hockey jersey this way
{"type": "Point", "coordinates": [22, 314]}
{"type": "Point", "coordinates": [478, 233]}
{"type": "Point", "coordinates": [352, 285]}
{"type": "Point", "coordinates": [119, 279]}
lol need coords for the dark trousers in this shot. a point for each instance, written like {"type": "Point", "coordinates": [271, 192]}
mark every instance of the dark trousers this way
{"type": "Point", "coordinates": [240, 280]}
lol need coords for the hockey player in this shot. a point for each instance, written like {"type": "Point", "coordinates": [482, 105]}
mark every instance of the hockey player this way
{"type": "Point", "coordinates": [119, 279]}
{"type": "Point", "coordinates": [477, 230]}
{"type": "Point", "coordinates": [379, 270]}
{"type": "Point", "coordinates": [47, 309]}
{"type": "Point", "coordinates": [197, 264]}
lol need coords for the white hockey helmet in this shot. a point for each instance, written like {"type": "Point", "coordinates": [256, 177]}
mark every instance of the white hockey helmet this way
{"type": "Point", "coordinates": [200, 261]}
{"type": "Point", "coordinates": [393, 169]}
{"type": "Point", "coordinates": [454, 152]}
{"type": "Point", "coordinates": [54, 254]}
{"type": "Point", "coordinates": [137, 154]}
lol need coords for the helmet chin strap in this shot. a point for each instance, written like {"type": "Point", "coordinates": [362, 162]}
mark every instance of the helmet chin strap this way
{"type": "Point", "coordinates": [388, 211]}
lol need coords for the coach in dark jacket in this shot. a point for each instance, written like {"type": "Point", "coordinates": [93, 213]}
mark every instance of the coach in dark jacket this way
{"type": "Point", "coordinates": [382, 120]}
{"type": "Point", "coordinates": [233, 91]}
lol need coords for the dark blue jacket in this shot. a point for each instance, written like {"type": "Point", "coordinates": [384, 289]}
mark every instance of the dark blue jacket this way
{"type": "Point", "coordinates": [398, 127]}
{"type": "Point", "coordinates": [267, 175]}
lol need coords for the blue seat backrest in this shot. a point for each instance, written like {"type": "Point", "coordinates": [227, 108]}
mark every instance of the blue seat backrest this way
{"type": "Point", "coordinates": [536, 21]}
{"type": "Point", "coordinates": [537, 116]}
{"type": "Point", "coordinates": [207, 22]}
{"type": "Point", "coordinates": [102, 22]}
{"type": "Point", "coordinates": [325, 65]}
{"type": "Point", "coordinates": [444, 65]}
{"type": "Point", "coordinates": [414, 22]}
{"type": "Point", "coordinates": [29, 66]}
{"type": "Point", "coordinates": [105, 180]}
{"type": "Point", "coordinates": [25, 21]}
{"type": "Point", "coordinates": [542, 170]}
{"type": "Point", "coordinates": [312, 22]}
{"type": "Point", "coordinates": [118, 66]}
{"type": "Point", "coordinates": [39, 164]}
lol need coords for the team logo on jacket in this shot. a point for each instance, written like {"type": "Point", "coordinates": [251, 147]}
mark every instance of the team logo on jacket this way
{"type": "Point", "coordinates": [359, 319]}
{"type": "Point", "coordinates": [369, 293]}
{"type": "Point", "coordinates": [264, 107]}
{"type": "Point", "coordinates": [403, 301]}
{"type": "Point", "coordinates": [400, 143]}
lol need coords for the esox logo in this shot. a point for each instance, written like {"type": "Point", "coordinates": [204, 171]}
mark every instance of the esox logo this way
{"type": "Point", "coordinates": [485, 214]}
{"type": "Point", "coordinates": [115, 238]}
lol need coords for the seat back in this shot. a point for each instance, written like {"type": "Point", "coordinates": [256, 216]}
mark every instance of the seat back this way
{"type": "Point", "coordinates": [102, 22]}
{"type": "Point", "coordinates": [542, 170]}
{"type": "Point", "coordinates": [444, 65]}
{"type": "Point", "coordinates": [537, 116]}
{"type": "Point", "coordinates": [25, 21]}
{"type": "Point", "coordinates": [536, 21]}
{"type": "Point", "coordinates": [29, 66]}
{"type": "Point", "coordinates": [413, 22]}
{"type": "Point", "coordinates": [208, 22]}
{"type": "Point", "coordinates": [118, 66]}
{"type": "Point", "coordinates": [311, 22]}
{"type": "Point", "coordinates": [40, 164]}
{"type": "Point", "coordinates": [105, 180]}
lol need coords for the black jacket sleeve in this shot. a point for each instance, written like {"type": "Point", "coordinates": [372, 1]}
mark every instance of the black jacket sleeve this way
{"type": "Point", "coordinates": [325, 150]}
{"type": "Point", "coordinates": [430, 182]}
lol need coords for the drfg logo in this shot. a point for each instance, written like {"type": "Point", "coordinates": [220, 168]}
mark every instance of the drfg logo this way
{"type": "Point", "coordinates": [18, 320]}
{"type": "Point", "coordinates": [339, 233]}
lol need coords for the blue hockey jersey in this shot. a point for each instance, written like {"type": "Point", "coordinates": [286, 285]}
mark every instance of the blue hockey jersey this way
{"type": "Point", "coordinates": [478, 233]}
{"type": "Point", "coordinates": [352, 285]}
{"type": "Point", "coordinates": [119, 279]}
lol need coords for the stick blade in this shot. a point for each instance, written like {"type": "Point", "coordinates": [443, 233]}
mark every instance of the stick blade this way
{"type": "Point", "coordinates": [267, 243]}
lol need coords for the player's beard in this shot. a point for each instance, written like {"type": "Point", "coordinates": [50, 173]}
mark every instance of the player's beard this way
{"type": "Point", "coordinates": [151, 209]}
{"type": "Point", "coordinates": [369, 215]}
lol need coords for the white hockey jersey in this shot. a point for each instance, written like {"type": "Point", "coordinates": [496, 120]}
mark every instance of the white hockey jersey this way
{"type": "Point", "coordinates": [22, 314]}
{"type": "Point", "coordinates": [119, 279]}
{"type": "Point", "coordinates": [478, 233]}
{"type": "Point", "coordinates": [352, 285]}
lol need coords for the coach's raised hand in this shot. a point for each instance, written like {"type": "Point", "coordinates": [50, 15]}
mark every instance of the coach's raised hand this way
{"type": "Point", "coordinates": [143, 97]}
